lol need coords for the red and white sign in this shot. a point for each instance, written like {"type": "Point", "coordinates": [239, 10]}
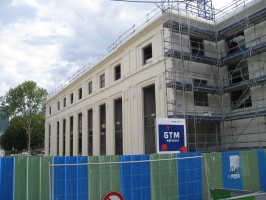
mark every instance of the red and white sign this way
{"type": "Point", "coordinates": [113, 196]}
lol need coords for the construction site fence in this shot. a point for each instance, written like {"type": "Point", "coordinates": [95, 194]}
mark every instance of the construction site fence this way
{"type": "Point", "coordinates": [143, 177]}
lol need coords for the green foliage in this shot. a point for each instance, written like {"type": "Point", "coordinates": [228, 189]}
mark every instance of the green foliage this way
{"type": "Point", "coordinates": [23, 100]}
{"type": "Point", "coordinates": [25, 103]}
{"type": "Point", "coordinates": [15, 136]}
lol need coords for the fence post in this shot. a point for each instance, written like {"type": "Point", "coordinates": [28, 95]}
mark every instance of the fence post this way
{"type": "Point", "coordinates": [206, 177]}
{"type": "Point", "coordinates": [49, 179]}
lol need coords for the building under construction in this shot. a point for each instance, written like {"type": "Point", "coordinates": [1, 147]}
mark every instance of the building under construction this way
{"type": "Point", "coordinates": [204, 65]}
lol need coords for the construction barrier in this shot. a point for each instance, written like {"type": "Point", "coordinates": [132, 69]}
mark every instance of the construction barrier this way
{"type": "Point", "coordinates": [143, 177]}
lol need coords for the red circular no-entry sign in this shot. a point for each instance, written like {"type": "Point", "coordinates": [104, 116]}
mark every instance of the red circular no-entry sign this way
{"type": "Point", "coordinates": [113, 196]}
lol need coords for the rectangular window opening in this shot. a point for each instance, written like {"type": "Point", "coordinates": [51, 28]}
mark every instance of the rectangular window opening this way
{"type": "Point", "coordinates": [117, 71]}
{"type": "Point", "coordinates": [147, 54]}
{"type": "Point", "coordinates": [102, 80]}
{"type": "Point", "coordinates": [71, 98]}
{"type": "Point", "coordinates": [102, 129]}
{"type": "Point", "coordinates": [238, 72]}
{"type": "Point", "coordinates": [241, 99]}
{"type": "Point", "coordinates": [49, 140]}
{"type": "Point", "coordinates": [80, 93]}
{"type": "Point", "coordinates": [118, 126]}
{"type": "Point", "coordinates": [90, 132]}
{"type": "Point", "coordinates": [90, 87]}
{"type": "Point", "coordinates": [149, 106]}
{"type": "Point", "coordinates": [200, 98]}
{"type": "Point", "coordinates": [71, 135]}
{"type": "Point", "coordinates": [196, 46]}
{"type": "Point", "coordinates": [58, 105]}
{"type": "Point", "coordinates": [64, 137]}
{"type": "Point", "coordinates": [235, 43]}
{"type": "Point", "coordinates": [80, 134]}
{"type": "Point", "coordinates": [64, 103]}
{"type": "Point", "coordinates": [57, 139]}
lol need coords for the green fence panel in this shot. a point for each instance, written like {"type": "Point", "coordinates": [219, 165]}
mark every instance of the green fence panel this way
{"type": "Point", "coordinates": [164, 180]}
{"type": "Point", "coordinates": [44, 180]}
{"type": "Point", "coordinates": [250, 170]}
{"type": "Point", "coordinates": [33, 178]}
{"type": "Point", "coordinates": [21, 178]}
{"type": "Point", "coordinates": [220, 194]}
{"type": "Point", "coordinates": [213, 170]}
{"type": "Point", "coordinates": [103, 178]}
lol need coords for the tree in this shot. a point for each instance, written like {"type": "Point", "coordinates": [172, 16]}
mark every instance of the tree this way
{"type": "Point", "coordinates": [24, 101]}
{"type": "Point", "coordinates": [15, 136]}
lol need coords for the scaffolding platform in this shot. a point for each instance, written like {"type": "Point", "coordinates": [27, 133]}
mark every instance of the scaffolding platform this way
{"type": "Point", "coordinates": [201, 87]}
{"type": "Point", "coordinates": [193, 30]}
{"type": "Point", "coordinates": [191, 57]}
{"type": "Point", "coordinates": [244, 84]}
{"type": "Point", "coordinates": [203, 117]}
{"type": "Point", "coordinates": [219, 118]}
{"type": "Point", "coordinates": [253, 18]}
{"type": "Point", "coordinates": [245, 115]}
{"type": "Point", "coordinates": [243, 53]}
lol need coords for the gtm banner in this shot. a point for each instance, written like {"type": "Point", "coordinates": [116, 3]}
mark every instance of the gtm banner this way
{"type": "Point", "coordinates": [171, 135]}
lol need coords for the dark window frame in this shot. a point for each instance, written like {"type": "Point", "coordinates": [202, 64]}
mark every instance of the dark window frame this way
{"type": "Point", "coordinates": [102, 118]}
{"type": "Point", "coordinates": [117, 72]}
{"type": "Point", "coordinates": [57, 137]}
{"type": "Point", "coordinates": [71, 128]}
{"type": "Point", "coordinates": [197, 46]}
{"type": "Point", "coordinates": [80, 93]}
{"type": "Point", "coordinates": [149, 114]}
{"type": "Point", "coordinates": [118, 124]}
{"type": "Point", "coordinates": [64, 137]}
{"type": "Point", "coordinates": [200, 98]}
{"type": "Point", "coordinates": [80, 133]}
{"type": "Point", "coordinates": [147, 53]}
{"type": "Point", "coordinates": [64, 102]}
{"type": "Point", "coordinates": [90, 132]}
{"type": "Point", "coordinates": [90, 87]}
{"type": "Point", "coordinates": [102, 80]}
{"type": "Point", "coordinates": [71, 98]}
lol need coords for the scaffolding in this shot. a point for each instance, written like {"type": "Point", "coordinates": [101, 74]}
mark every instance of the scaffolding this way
{"type": "Point", "coordinates": [215, 74]}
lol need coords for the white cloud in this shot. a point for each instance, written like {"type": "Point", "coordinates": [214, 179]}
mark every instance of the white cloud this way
{"type": "Point", "coordinates": [48, 40]}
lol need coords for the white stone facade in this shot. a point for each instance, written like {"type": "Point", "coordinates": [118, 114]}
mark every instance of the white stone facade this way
{"type": "Point", "coordinates": [138, 73]}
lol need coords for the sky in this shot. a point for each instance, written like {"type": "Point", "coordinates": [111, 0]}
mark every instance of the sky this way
{"type": "Point", "coordinates": [47, 41]}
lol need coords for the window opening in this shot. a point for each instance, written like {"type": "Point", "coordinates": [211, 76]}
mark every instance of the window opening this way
{"type": "Point", "coordinates": [117, 72]}
{"type": "Point", "coordinates": [90, 87]}
{"type": "Point", "coordinates": [200, 98]}
{"type": "Point", "coordinates": [102, 80]}
{"type": "Point", "coordinates": [90, 131]}
{"type": "Point", "coordinates": [118, 127]}
{"type": "Point", "coordinates": [80, 133]}
{"type": "Point", "coordinates": [147, 54]}
{"type": "Point", "coordinates": [102, 129]}
{"type": "Point", "coordinates": [71, 135]}
{"type": "Point", "coordinates": [149, 119]}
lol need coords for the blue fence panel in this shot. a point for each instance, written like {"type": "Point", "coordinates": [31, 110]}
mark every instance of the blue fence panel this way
{"type": "Point", "coordinates": [6, 178]}
{"type": "Point", "coordinates": [59, 178]}
{"type": "Point", "coordinates": [71, 178]}
{"type": "Point", "coordinates": [135, 178]}
{"type": "Point", "coordinates": [83, 188]}
{"type": "Point", "coordinates": [231, 170]}
{"type": "Point", "coordinates": [262, 169]}
{"type": "Point", "coordinates": [190, 177]}
{"type": "Point", "coordinates": [1, 181]}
